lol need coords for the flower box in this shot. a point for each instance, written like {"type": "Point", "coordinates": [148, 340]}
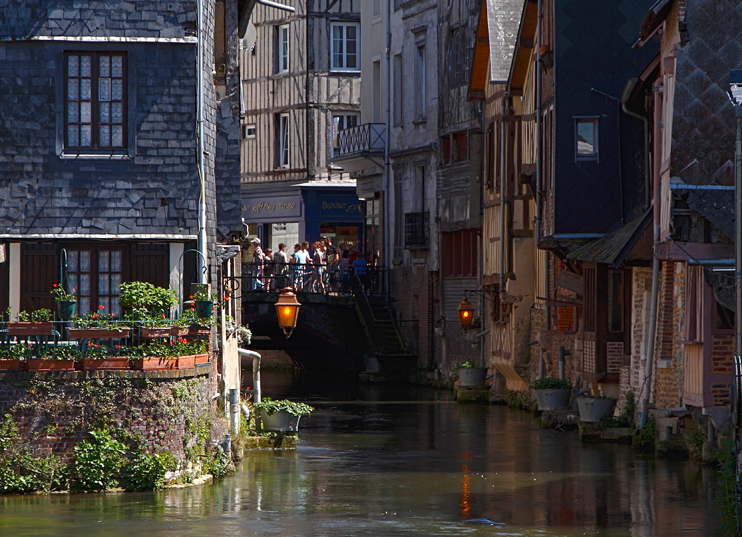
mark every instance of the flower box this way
{"type": "Point", "coordinates": [280, 421]}
{"type": "Point", "coordinates": [202, 359]}
{"type": "Point", "coordinates": [112, 363]}
{"type": "Point", "coordinates": [158, 331]}
{"type": "Point", "coordinates": [149, 363]}
{"type": "Point", "coordinates": [47, 364]}
{"type": "Point", "coordinates": [99, 333]}
{"type": "Point", "coordinates": [30, 329]}
{"type": "Point", "coordinates": [178, 331]}
{"type": "Point", "coordinates": [201, 332]}
{"type": "Point", "coordinates": [8, 364]}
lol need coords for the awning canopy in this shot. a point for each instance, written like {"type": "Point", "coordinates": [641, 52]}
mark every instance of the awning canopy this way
{"type": "Point", "coordinates": [613, 248]}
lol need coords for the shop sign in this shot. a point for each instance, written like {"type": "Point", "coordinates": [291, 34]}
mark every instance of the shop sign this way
{"type": "Point", "coordinates": [272, 208]}
{"type": "Point", "coordinates": [340, 206]}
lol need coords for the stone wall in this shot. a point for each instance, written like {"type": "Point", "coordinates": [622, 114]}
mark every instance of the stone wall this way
{"type": "Point", "coordinates": [722, 353]}
{"type": "Point", "coordinates": [668, 383]}
{"type": "Point", "coordinates": [415, 302]}
{"type": "Point", "coordinates": [154, 410]}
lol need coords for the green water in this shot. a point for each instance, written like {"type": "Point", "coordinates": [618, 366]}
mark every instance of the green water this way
{"type": "Point", "coordinates": [400, 461]}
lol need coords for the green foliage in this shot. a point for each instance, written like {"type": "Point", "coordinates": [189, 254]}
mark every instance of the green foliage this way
{"type": "Point", "coordinates": [549, 383]}
{"type": "Point", "coordinates": [181, 347]}
{"type": "Point", "coordinates": [645, 437]}
{"type": "Point", "coordinates": [202, 293]}
{"type": "Point", "coordinates": [695, 439]}
{"type": "Point", "coordinates": [41, 315]}
{"type": "Point", "coordinates": [60, 294]}
{"type": "Point", "coordinates": [144, 295]}
{"type": "Point", "coordinates": [629, 407]}
{"type": "Point", "coordinates": [218, 464]}
{"type": "Point", "coordinates": [469, 364]}
{"type": "Point", "coordinates": [147, 472]}
{"type": "Point", "coordinates": [724, 456]}
{"type": "Point", "coordinates": [271, 407]}
{"type": "Point", "coordinates": [98, 462]}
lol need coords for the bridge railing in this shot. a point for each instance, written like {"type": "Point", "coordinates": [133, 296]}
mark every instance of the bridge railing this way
{"type": "Point", "coordinates": [328, 279]}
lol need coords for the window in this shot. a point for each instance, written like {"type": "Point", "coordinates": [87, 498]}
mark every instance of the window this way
{"type": "Point", "coordinates": [462, 146]}
{"type": "Point", "coordinates": [377, 8]}
{"type": "Point", "coordinates": [694, 303]}
{"type": "Point", "coordinates": [586, 138]}
{"type": "Point", "coordinates": [615, 300]}
{"type": "Point", "coordinates": [398, 90]}
{"type": "Point", "coordinates": [249, 132]}
{"type": "Point", "coordinates": [282, 49]}
{"type": "Point", "coordinates": [376, 108]}
{"type": "Point", "coordinates": [420, 83]}
{"type": "Point", "coordinates": [459, 253]}
{"type": "Point", "coordinates": [345, 41]}
{"type": "Point", "coordinates": [282, 141]}
{"type": "Point", "coordinates": [85, 267]}
{"type": "Point", "coordinates": [397, 5]}
{"type": "Point", "coordinates": [95, 101]}
{"type": "Point", "coordinates": [446, 149]}
{"type": "Point", "coordinates": [340, 123]}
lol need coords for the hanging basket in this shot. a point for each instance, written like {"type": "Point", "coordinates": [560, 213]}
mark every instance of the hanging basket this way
{"type": "Point", "coordinates": [66, 309]}
{"type": "Point", "coordinates": [203, 308]}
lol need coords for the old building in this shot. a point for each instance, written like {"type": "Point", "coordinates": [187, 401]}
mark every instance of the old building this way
{"type": "Point", "coordinates": [301, 85]}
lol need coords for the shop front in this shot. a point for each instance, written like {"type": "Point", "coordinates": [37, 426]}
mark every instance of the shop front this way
{"type": "Point", "coordinates": [333, 212]}
{"type": "Point", "coordinates": [274, 217]}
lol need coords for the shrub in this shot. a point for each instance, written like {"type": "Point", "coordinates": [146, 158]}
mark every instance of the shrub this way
{"type": "Point", "coordinates": [549, 383]}
{"type": "Point", "coordinates": [98, 461]}
{"type": "Point", "coordinates": [271, 407]}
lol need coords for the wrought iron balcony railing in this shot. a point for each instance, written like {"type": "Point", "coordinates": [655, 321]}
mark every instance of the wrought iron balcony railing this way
{"type": "Point", "coordinates": [367, 138]}
{"type": "Point", "coordinates": [416, 230]}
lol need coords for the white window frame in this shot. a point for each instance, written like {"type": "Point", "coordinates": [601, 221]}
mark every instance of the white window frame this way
{"type": "Point", "coordinates": [282, 145]}
{"type": "Point", "coordinates": [250, 131]}
{"type": "Point", "coordinates": [343, 54]}
{"type": "Point", "coordinates": [594, 120]}
{"type": "Point", "coordinates": [344, 119]}
{"type": "Point", "coordinates": [282, 49]}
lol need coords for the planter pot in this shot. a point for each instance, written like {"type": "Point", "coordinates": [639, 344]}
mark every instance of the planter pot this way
{"type": "Point", "coordinates": [7, 364]}
{"type": "Point", "coordinates": [553, 399]}
{"type": "Point", "coordinates": [66, 309]}
{"type": "Point", "coordinates": [46, 364]}
{"type": "Point", "coordinates": [30, 329]}
{"type": "Point", "coordinates": [99, 333]}
{"type": "Point", "coordinates": [592, 409]}
{"type": "Point", "coordinates": [177, 331]}
{"type": "Point", "coordinates": [202, 359]}
{"type": "Point", "coordinates": [150, 363]}
{"type": "Point", "coordinates": [112, 363]}
{"type": "Point", "coordinates": [471, 376]}
{"type": "Point", "coordinates": [280, 421]}
{"type": "Point", "coordinates": [159, 331]}
{"type": "Point", "coordinates": [200, 332]}
{"type": "Point", "coordinates": [203, 308]}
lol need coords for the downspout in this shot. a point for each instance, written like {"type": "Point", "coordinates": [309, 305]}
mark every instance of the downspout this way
{"type": "Point", "coordinates": [657, 156]}
{"type": "Point", "coordinates": [202, 246]}
{"type": "Point", "coordinates": [647, 175]}
{"type": "Point", "coordinates": [483, 343]}
{"type": "Point", "coordinates": [539, 158]}
{"type": "Point", "coordinates": [503, 168]}
{"type": "Point", "coordinates": [387, 248]}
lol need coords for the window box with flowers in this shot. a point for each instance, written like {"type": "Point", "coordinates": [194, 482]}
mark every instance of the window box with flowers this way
{"type": "Point", "coordinates": [66, 302]}
{"type": "Point", "coordinates": [104, 358]}
{"type": "Point", "coordinates": [58, 359]}
{"type": "Point", "coordinates": [36, 323]}
{"type": "Point", "coordinates": [180, 354]}
{"type": "Point", "coordinates": [99, 325]}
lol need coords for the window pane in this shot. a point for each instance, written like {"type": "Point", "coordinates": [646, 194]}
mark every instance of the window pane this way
{"type": "Point", "coordinates": [84, 304]}
{"type": "Point", "coordinates": [117, 136]}
{"type": "Point", "coordinates": [337, 47]}
{"type": "Point", "coordinates": [85, 89]}
{"type": "Point", "coordinates": [72, 282]}
{"type": "Point", "coordinates": [115, 284]}
{"type": "Point", "coordinates": [105, 112]}
{"type": "Point", "coordinates": [117, 92]}
{"type": "Point", "coordinates": [117, 63]}
{"type": "Point", "coordinates": [103, 284]}
{"type": "Point", "coordinates": [85, 65]}
{"type": "Point", "coordinates": [351, 47]}
{"type": "Point", "coordinates": [104, 89]}
{"type": "Point", "coordinates": [85, 114]}
{"type": "Point", "coordinates": [73, 135]}
{"type": "Point", "coordinates": [105, 136]}
{"type": "Point", "coordinates": [85, 284]}
{"type": "Point", "coordinates": [117, 113]}
{"type": "Point", "coordinates": [72, 261]}
{"type": "Point", "coordinates": [85, 136]}
{"type": "Point", "coordinates": [103, 258]}
{"type": "Point", "coordinates": [73, 89]}
{"type": "Point", "coordinates": [105, 66]}
{"type": "Point", "coordinates": [116, 261]}
{"type": "Point", "coordinates": [84, 261]}
{"type": "Point", "coordinates": [585, 138]}
{"type": "Point", "coordinates": [73, 65]}
{"type": "Point", "coordinates": [73, 113]}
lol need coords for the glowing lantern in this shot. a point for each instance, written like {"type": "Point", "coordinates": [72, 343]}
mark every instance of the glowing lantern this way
{"type": "Point", "coordinates": [287, 310]}
{"type": "Point", "coordinates": [466, 313]}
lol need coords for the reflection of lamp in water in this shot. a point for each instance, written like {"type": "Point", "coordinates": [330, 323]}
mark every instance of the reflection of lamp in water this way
{"type": "Point", "coordinates": [466, 487]}
{"type": "Point", "coordinates": [287, 310]}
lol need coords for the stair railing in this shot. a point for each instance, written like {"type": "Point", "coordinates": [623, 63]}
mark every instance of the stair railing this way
{"type": "Point", "coordinates": [376, 330]}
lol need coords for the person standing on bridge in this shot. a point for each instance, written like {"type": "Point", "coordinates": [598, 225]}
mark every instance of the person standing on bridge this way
{"type": "Point", "coordinates": [281, 267]}
{"type": "Point", "coordinates": [300, 260]}
{"type": "Point", "coordinates": [257, 260]}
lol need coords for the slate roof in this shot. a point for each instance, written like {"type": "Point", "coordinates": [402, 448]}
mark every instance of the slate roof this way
{"type": "Point", "coordinates": [613, 247]}
{"type": "Point", "coordinates": [503, 20]}
{"type": "Point", "coordinates": [716, 206]}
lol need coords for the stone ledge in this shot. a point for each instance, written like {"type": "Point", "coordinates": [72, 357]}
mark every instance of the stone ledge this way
{"type": "Point", "coordinates": [166, 374]}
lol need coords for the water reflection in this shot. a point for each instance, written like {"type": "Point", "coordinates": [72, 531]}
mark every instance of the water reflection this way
{"type": "Point", "coordinates": [381, 460]}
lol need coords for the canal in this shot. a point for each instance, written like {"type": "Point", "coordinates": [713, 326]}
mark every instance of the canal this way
{"type": "Point", "coordinates": [393, 460]}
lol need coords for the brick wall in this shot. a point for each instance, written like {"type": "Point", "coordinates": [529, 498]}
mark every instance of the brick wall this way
{"type": "Point", "coordinates": [415, 298]}
{"type": "Point", "coordinates": [161, 410]}
{"type": "Point", "coordinates": [632, 376]}
{"type": "Point", "coordinates": [668, 383]}
{"type": "Point", "coordinates": [722, 356]}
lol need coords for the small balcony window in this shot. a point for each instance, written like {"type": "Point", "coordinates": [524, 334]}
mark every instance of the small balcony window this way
{"type": "Point", "coordinates": [586, 138]}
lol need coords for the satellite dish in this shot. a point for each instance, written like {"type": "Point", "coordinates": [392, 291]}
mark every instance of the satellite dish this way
{"type": "Point", "coordinates": [250, 35]}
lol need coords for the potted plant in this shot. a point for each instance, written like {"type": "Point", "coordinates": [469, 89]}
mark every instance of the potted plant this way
{"type": "Point", "coordinates": [181, 354]}
{"type": "Point", "coordinates": [53, 359]}
{"type": "Point", "coordinates": [552, 394]}
{"type": "Point", "coordinates": [595, 407]}
{"type": "Point", "coordinates": [65, 302]}
{"type": "Point", "coordinates": [471, 374]}
{"type": "Point", "coordinates": [203, 302]}
{"type": "Point", "coordinates": [282, 415]}
{"type": "Point", "coordinates": [10, 357]}
{"type": "Point", "coordinates": [98, 357]}
{"type": "Point", "coordinates": [36, 323]}
{"type": "Point", "coordinates": [98, 325]}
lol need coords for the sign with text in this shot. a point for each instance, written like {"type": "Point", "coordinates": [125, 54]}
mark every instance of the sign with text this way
{"type": "Point", "coordinates": [339, 206]}
{"type": "Point", "coordinates": [270, 208]}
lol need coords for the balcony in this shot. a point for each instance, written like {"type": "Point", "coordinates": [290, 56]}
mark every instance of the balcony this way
{"type": "Point", "coordinates": [416, 227]}
{"type": "Point", "coordinates": [360, 148]}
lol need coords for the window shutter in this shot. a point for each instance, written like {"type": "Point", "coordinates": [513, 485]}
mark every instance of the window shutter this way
{"type": "Point", "coordinates": [39, 272]}
{"type": "Point", "coordinates": [150, 262]}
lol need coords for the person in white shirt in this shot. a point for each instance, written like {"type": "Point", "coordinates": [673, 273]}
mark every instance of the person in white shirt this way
{"type": "Point", "coordinates": [281, 267]}
{"type": "Point", "coordinates": [257, 259]}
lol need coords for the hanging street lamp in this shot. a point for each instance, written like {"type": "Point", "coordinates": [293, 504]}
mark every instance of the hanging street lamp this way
{"type": "Point", "coordinates": [287, 310]}
{"type": "Point", "coordinates": [466, 313]}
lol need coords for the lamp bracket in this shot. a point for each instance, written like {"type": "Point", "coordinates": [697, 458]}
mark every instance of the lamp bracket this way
{"type": "Point", "coordinates": [481, 292]}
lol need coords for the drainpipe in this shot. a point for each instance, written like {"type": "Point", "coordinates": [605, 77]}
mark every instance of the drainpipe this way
{"type": "Point", "coordinates": [647, 175]}
{"type": "Point", "coordinates": [201, 173]}
{"type": "Point", "coordinates": [657, 155]}
{"type": "Point", "coordinates": [503, 168]}
{"type": "Point", "coordinates": [483, 343]}
{"type": "Point", "coordinates": [234, 410]}
{"type": "Point", "coordinates": [387, 246]}
{"type": "Point", "coordinates": [539, 156]}
{"type": "Point", "coordinates": [738, 235]}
